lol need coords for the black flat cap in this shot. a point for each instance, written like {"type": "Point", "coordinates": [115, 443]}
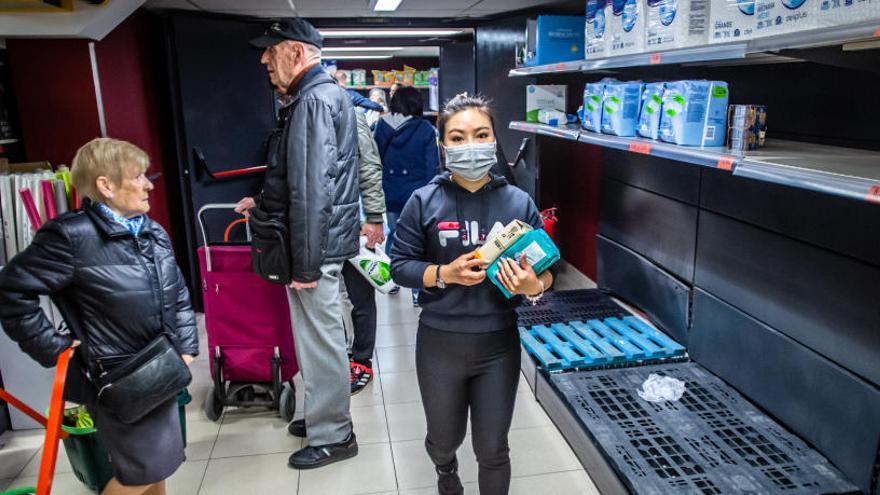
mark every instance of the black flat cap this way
{"type": "Point", "coordinates": [294, 28]}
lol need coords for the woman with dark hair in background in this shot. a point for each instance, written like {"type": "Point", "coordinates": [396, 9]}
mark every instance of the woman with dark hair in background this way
{"type": "Point", "coordinates": [410, 157]}
{"type": "Point", "coordinates": [467, 349]}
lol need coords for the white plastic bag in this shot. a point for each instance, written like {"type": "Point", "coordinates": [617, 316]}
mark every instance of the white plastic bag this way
{"type": "Point", "coordinates": [375, 265]}
{"type": "Point", "coordinates": [659, 388]}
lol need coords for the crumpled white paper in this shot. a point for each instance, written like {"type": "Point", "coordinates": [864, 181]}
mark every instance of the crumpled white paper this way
{"type": "Point", "coordinates": [659, 388]}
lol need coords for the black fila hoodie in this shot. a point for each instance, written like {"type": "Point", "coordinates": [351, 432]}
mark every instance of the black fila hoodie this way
{"type": "Point", "coordinates": [443, 221]}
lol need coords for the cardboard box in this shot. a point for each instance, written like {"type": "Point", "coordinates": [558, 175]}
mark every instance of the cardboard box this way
{"type": "Point", "coordinates": [554, 38]}
{"type": "Point", "coordinates": [774, 17]}
{"type": "Point", "coordinates": [544, 97]}
{"type": "Point", "coordinates": [595, 30]}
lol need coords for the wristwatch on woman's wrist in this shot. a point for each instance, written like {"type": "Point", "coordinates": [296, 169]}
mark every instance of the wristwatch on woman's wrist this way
{"type": "Point", "coordinates": [441, 284]}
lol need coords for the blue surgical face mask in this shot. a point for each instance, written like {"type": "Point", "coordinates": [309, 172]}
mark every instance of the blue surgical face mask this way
{"type": "Point", "coordinates": [471, 161]}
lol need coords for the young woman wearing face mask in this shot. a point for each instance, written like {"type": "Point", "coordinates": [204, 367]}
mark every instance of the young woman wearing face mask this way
{"type": "Point", "coordinates": [467, 350]}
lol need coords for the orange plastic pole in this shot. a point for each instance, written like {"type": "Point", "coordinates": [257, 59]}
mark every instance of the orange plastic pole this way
{"type": "Point", "coordinates": [53, 426]}
{"type": "Point", "coordinates": [21, 406]}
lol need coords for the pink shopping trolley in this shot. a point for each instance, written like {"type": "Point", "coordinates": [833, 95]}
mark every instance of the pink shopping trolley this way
{"type": "Point", "coordinates": [249, 334]}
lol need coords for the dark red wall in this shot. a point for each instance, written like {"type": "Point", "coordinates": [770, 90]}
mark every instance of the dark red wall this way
{"type": "Point", "coordinates": [52, 83]}
{"type": "Point", "coordinates": [571, 176]}
{"type": "Point", "coordinates": [55, 94]}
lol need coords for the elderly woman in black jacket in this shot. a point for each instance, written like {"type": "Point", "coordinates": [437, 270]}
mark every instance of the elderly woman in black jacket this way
{"type": "Point", "coordinates": [111, 269]}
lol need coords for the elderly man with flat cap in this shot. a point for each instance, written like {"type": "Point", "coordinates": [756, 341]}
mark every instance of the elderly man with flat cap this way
{"type": "Point", "coordinates": [312, 181]}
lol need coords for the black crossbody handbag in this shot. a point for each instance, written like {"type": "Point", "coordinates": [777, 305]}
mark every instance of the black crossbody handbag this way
{"type": "Point", "coordinates": [131, 386]}
{"type": "Point", "coordinates": [134, 387]}
{"type": "Point", "coordinates": [270, 247]}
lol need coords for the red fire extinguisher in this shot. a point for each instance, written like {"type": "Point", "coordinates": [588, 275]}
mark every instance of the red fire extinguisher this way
{"type": "Point", "coordinates": [550, 221]}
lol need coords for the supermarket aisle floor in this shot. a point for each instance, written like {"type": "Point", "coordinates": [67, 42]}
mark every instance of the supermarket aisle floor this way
{"type": "Point", "coordinates": [246, 451]}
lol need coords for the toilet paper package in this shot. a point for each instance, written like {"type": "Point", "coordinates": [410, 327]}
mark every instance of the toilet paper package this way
{"type": "Point", "coordinates": [620, 113]}
{"type": "Point", "coordinates": [676, 24]}
{"type": "Point", "coordinates": [774, 17]}
{"type": "Point", "coordinates": [626, 27]}
{"type": "Point", "coordinates": [694, 113]}
{"type": "Point", "coordinates": [731, 20]}
{"type": "Point", "coordinates": [593, 94]}
{"type": "Point", "coordinates": [652, 107]}
{"type": "Point", "coordinates": [595, 30]}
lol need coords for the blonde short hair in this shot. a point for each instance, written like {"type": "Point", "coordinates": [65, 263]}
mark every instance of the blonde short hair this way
{"type": "Point", "coordinates": [105, 157]}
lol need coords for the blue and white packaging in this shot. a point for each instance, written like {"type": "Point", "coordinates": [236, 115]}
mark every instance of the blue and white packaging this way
{"type": "Point", "coordinates": [694, 113]}
{"type": "Point", "coordinates": [731, 20]}
{"type": "Point", "coordinates": [626, 28]}
{"type": "Point", "coordinates": [652, 108]}
{"type": "Point", "coordinates": [676, 24]}
{"type": "Point", "coordinates": [774, 17]}
{"type": "Point", "coordinates": [842, 12]}
{"type": "Point", "coordinates": [595, 30]}
{"type": "Point", "coordinates": [557, 38]}
{"type": "Point", "coordinates": [620, 112]}
{"type": "Point", "coordinates": [593, 94]}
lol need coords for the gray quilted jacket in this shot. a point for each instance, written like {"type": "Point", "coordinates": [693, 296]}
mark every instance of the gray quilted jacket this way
{"type": "Point", "coordinates": [370, 172]}
{"type": "Point", "coordinates": [312, 179]}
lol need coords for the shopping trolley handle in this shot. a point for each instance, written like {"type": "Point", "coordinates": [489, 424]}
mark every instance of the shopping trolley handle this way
{"type": "Point", "coordinates": [201, 219]}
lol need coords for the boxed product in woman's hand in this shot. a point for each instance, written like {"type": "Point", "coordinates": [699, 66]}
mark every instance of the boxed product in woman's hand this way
{"type": "Point", "coordinates": [541, 253]}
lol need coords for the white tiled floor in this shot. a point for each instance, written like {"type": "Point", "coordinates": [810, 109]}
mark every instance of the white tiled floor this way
{"type": "Point", "coordinates": [247, 451]}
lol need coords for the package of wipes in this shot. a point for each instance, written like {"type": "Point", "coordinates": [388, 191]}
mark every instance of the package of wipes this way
{"type": "Point", "coordinates": [694, 113]}
{"type": "Point", "coordinates": [676, 24]}
{"type": "Point", "coordinates": [593, 95]}
{"type": "Point", "coordinates": [620, 112]}
{"type": "Point", "coordinates": [731, 20]}
{"type": "Point", "coordinates": [774, 17]}
{"type": "Point", "coordinates": [626, 27]}
{"type": "Point", "coordinates": [652, 107]}
{"type": "Point", "coordinates": [595, 30]}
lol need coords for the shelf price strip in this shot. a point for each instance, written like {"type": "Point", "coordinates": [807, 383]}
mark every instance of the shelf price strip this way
{"type": "Point", "coordinates": [642, 148]}
{"type": "Point", "coordinates": [873, 195]}
{"type": "Point", "coordinates": [726, 163]}
{"type": "Point", "coordinates": [655, 58]}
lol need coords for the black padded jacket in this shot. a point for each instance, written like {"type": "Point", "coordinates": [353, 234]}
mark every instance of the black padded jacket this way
{"type": "Point", "coordinates": [312, 179]}
{"type": "Point", "coordinates": [121, 292]}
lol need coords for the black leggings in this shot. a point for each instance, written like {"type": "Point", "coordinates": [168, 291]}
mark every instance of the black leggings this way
{"type": "Point", "coordinates": [479, 371]}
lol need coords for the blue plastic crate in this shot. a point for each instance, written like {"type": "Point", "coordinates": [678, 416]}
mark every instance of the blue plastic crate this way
{"type": "Point", "coordinates": [597, 343]}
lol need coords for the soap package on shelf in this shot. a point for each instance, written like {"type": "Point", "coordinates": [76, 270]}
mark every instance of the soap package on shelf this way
{"type": "Point", "coordinates": [358, 78]}
{"type": "Point", "coordinates": [651, 111]}
{"type": "Point", "coordinates": [731, 20]}
{"type": "Point", "coordinates": [746, 127]}
{"type": "Point", "coordinates": [596, 29]}
{"type": "Point", "coordinates": [593, 95]}
{"type": "Point", "coordinates": [544, 97]}
{"type": "Point", "coordinates": [620, 112]}
{"type": "Point", "coordinates": [694, 113]}
{"type": "Point", "coordinates": [626, 27]}
{"type": "Point", "coordinates": [540, 251]}
{"type": "Point", "coordinates": [774, 17]}
{"type": "Point", "coordinates": [676, 24]}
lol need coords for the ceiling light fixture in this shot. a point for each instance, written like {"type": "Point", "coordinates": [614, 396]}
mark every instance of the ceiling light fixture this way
{"type": "Point", "coordinates": [362, 48]}
{"type": "Point", "coordinates": [386, 33]}
{"type": "Point", "coordinates": [355, 57]}
{"type": "Point", "coordinates": [386, 5]}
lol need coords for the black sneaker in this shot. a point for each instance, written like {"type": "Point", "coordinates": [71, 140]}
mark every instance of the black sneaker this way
{"type": "Point", "coordinates": [297, 428]}
{"type": "Point", "coordinates": [448, 482]}
{"type": "Point", "coordinates": [312, 457]}
{"type": "Point", "coordinates": [361, 376]}
{"type": "Point", "coordinates": [394, 290]}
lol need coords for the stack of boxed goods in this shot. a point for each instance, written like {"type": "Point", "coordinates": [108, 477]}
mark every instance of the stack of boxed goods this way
{"type": "Point", "coordinates": [746, 127]}
{"type": "Point", "coordinates": [545, 100]}
{"type": "Point", "coordinates": [513, 241]}
{"type": "Point", "coordinates": [554, 38]}
{"type": "Point", "coordinates": [623, 27]}
{"type": "Point", "coordinates": [408, 77]}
